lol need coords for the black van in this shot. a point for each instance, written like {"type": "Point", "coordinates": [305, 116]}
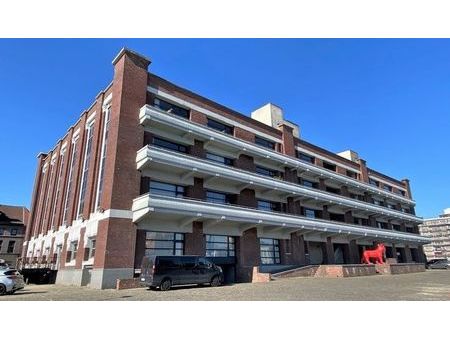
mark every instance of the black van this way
{"type": "Point", "coordinates": [165, 271]}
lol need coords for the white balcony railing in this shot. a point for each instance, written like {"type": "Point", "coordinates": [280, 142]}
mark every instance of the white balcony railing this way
{"type": "Point", "coordinates": [152, 154]}
{"type": "Point", "coordinates": [148, 204]}
{"type": "Point", "coordinates": [149, 113]}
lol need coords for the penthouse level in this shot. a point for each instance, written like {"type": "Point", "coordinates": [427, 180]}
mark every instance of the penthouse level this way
{"type": "Point", "coordinates": [152, 168]}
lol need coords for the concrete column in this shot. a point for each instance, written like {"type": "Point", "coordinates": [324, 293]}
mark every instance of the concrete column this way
{"type": "Point", "coordinates": [348, 217]}
{"type": "Point", "coordinates": [197, 149]}
{"type": "Point", "coordinates": [194, 243]}
{"type": "Point", "coordinates": [325, 213]}
{"type": "Point", "coordinates": [287, 140]}
{"type": "Point", "coordinates": [344, 191]}
{"type": "Point", "coordinates": [329, 251]}
{"type": "Point", "coordinates": [364, 174]}
{"type": "Point", "coordinates": [354, 253]}
{"type": "Point", "coordinates": [408, 256]}
{"type": "Point", "coordinates": [247, 254]}
{"type": "Point", "coordinates": [197, 190]}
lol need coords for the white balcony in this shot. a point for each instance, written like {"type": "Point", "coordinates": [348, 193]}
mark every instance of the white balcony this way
{"type": "Point", "coordinates": [150, 115]}
{"type": "Point", "coordinates": [148, 206]}
{"type": "Point", "coordinates": [150, 156]}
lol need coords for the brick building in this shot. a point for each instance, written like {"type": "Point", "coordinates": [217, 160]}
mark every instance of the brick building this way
{"type": "Point", "coordinates": [152, 168]}
{"type": "Point", "coordinates": [13, 222]}
{"type": "Point", "coordinates": [438, 230]}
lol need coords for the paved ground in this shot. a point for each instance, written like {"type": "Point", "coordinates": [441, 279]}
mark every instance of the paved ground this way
{"type": "Point", "coordinates": [430, 285]}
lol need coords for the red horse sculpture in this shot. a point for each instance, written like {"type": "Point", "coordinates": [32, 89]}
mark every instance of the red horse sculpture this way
{"type": "Point", "coordinates": [377, 255]}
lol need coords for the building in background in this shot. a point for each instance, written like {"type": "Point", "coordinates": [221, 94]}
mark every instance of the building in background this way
{"type": "Point", "coordinates": [152, 168]}
{"type": "Point", "coordinates": [13, 222]}
{"type": "Point", "coordinates": [438, 230]}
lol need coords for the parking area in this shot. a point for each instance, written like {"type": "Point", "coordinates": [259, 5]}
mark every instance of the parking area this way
{"type": "Point", "coordinates": [430, 285]}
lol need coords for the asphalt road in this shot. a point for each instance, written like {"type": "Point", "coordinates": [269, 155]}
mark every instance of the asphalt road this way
{"type": "Point", "coordinates": [430, 285]}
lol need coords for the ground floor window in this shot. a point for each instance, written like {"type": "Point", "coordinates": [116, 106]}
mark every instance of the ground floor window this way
{"type": "Point", "coordinates": [72, 252]}
{"type": "Point", "coordinates": [164, 243]}
{"type": "Point", "coordinates": [270, 251]}
{"type": "Point", "coordinates": [220, 246]}
{"type": "Point", "coordinates": [89, 250]}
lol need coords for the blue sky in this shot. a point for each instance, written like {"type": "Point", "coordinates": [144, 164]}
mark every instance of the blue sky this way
{"type": "Point", "coordinates": [389, 100]}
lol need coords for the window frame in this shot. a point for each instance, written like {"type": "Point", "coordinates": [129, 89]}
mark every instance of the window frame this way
{"type": "Point", "coordinates": [220, 126]}
{"type": "Point", "coordinates": [261, 141]}
{"type": "Point", "coordinates": [169, 145]}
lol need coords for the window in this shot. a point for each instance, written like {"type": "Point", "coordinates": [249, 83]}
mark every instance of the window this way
{"type": "Point", "coordinates": [58, 187]}
{"type": "Point", "coordinates": [2, 231]}
{"type": "Point", "coordinates": [269, 205]}
{"type": "Point", "coordinates": [89, 250]}
{"type": "Point", "coordinates": [1, 243]}
{"type": "Point", "coordinates": [309, 184]}
{"type": "Point", "coordinates": [357, 197]}
{"type": "Point", "coordinates": [402, 192]}
{"type": "Point", "coordinates": [84, 174]}
{"type": "Point", "coordinates": [159, 142]}
{"type": "Point", "coordinates": [387, 187]}
{"type": "Point", "coordinates": [69, 181]}
{"type": "Point", "coordinates": [219, 159]}
{"type": "Point", "coordinates": [174, 109]}
{"type": "Point", "coordinates": [217, 197]}
{"type": "Point", "coordinates": [305, 157]}
{"type": "Point", "coordinates": [390, 206]}
{"type": "Point", "coordinates": [310, 213]}
{"type": "Point", "coordinates": [268, 172]}
{"type": "Point", "coordinates": [166, 189]}
{"type": "Point", "coordinates": [377, 202]}
{"type": "Point", "coordinates": [220, 246]}
{"type": "Point", "coordinates": [103, 152]}
{"type": "Point", "coordinates": [14, 232]}
{"type": "Point", "coordinates": [270, 251]}
{"type": "Point", "coordinates": [329, 166]}
{"type": "Point", "coordinates": [220, 126]}
{"type": "Point", "coordinates": [72, 252]}
{"type": "Point", "coordinates": [333, 190]}
{"type": "Point", "coordinates": [164, 243]}
{"type": "Point", "coordinates": [374, 182]}
{"type": "Point", "coordinates": [351, 174]}
{"type": "Point", "coordinates": [11, 246]}
{"type": "Point", "coordinates": [264, 143]}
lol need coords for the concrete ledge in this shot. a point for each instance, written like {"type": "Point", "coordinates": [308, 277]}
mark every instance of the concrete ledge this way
{"type": "Point", "coordinates": [394, 269]}
{"type": "Point", "coordinates": [130, 283]}
{"type": "Point", "coordinates": [329, 271]}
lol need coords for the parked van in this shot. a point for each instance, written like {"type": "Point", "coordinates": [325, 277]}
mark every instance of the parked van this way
{"type": "Point", "coordinates": [165, 271]}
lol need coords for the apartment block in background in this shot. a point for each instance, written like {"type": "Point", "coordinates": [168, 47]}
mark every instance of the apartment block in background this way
{"type": "Point", "coordinates": [438, 230]}
{"type": "Point", "coordinates": [152, 168]}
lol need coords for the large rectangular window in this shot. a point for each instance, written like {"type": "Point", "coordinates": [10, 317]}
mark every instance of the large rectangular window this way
{"type": "Point", "coordinates": [159, 142]}
{"type": "Point", "coordinates": [70, 179]}
{"type": "Point", "coordinates": [171, 108]}
{"type": "Point", "coordinates": [305, 157]}
{"type": "Point", "coordinates": [220, 246]}
{"type": "Point", "coordinates": [89, 250]}
{"type": "Point", "coordinates": [329, 166]}
{"type": "Point", "coordinates": [58, 187]}
{"type": "Point", "coordinates": [166, 189]}
{"type": "Point", "coordinates": [310, 213]}
{"type": "Point", "coordinates": [219, 159]}
{"type": "Point", "coordinates": [264, 143]}
{"type": "Point", "coordinates": [268, 172]}
{"type": "Point", "coordinates": [308, 184]}
{"type": "Point", "coordinates": [104, 149]}
{"type": "Point", "coordinates": [220, 126]}
{"type": "Point", "coordinates": [11, 246]}
{"type": "Point", "coordinates": [387, 187]}
{"type": "Point", "coordinates": [374, 182]}
{"type": "Point", "coordinates": [270, 251]}
{"type": "Point", "coordinates": [164, 243]}
{"type": "Point", "coordinates": [85, 172]}
{"type": "Point", "coordinates": [269, 206]}
{"type": "Point", "coordinates": [71, 254]}
{"type": "Point", "coordinates": [217, 197]}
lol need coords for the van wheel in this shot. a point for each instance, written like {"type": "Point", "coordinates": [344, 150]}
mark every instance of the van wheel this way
{"type": "Point", "coordinates": [165, 284]}
{"type": "Point", "coordinates": [2, 289]}
{"type": "Point", "coordinates": [215, 281]}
